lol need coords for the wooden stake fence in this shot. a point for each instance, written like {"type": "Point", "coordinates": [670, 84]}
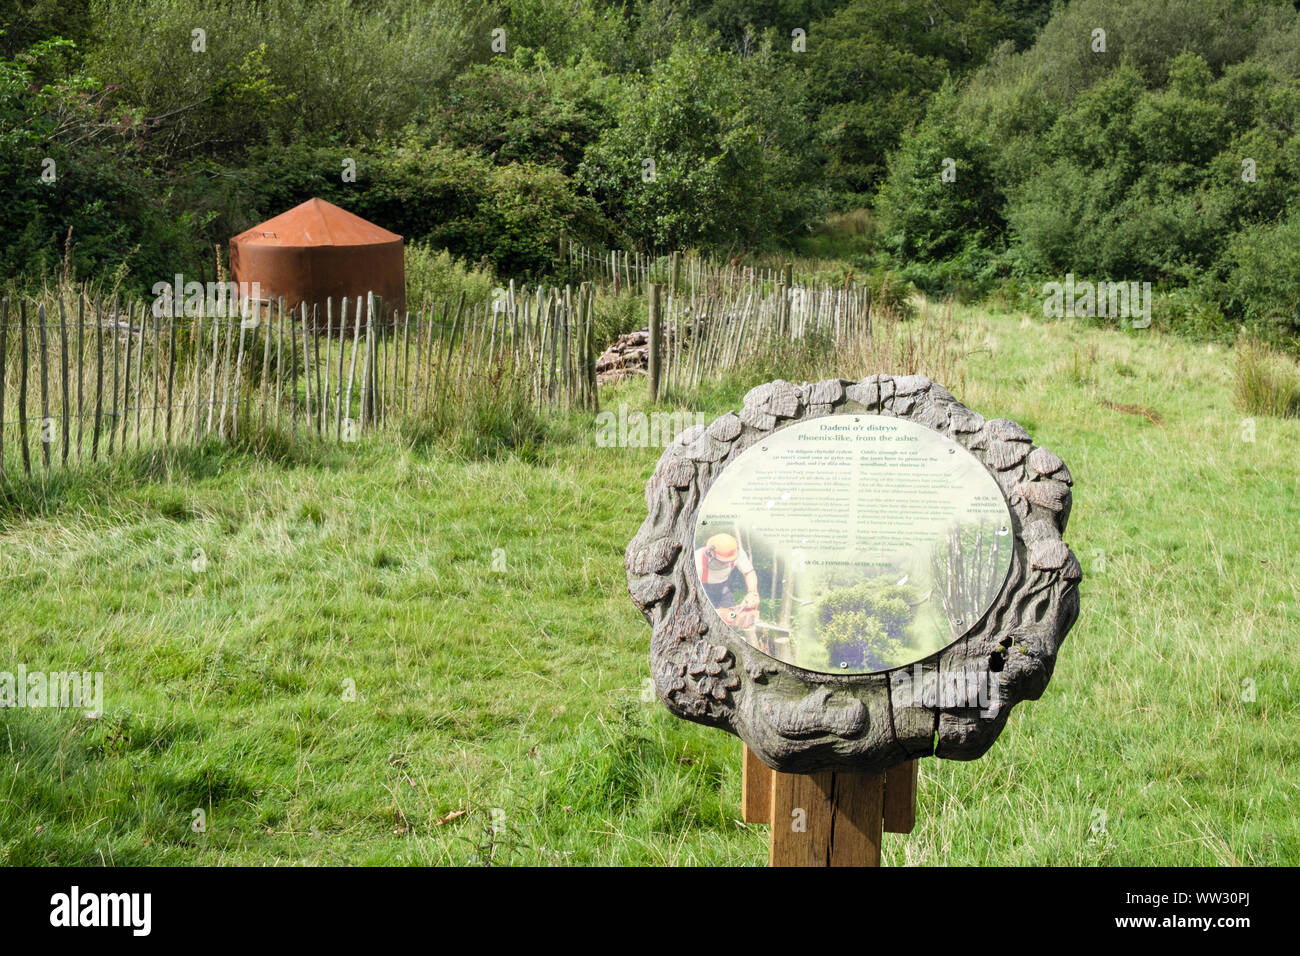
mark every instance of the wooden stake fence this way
{"type": "Point", "coordinates": [125, 377]}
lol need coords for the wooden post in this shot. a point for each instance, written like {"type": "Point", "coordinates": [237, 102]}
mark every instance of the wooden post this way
{"type": "Point", "coordinates": [139, 379]}
{"type": "Point", "coordinates": [4, 344]}
{"type": "Point", "coordinates": [81, 393]}
{"type": "Point", "coordinates": [653, 343]}
{"type": "Point", "coordinates": [266, 362]}
{"type": "Point", "coordinates": [592, 354]}
{"type": "Point", "coordinates": [226, 376]}
{"type": "Point", "coordinates": [365, 361]}
{"type": "Point", "coordinates": [126, 379]}
{"type": "Point", "coordinates": [417, 383]}
{"type": "Point", "coordinates": [352, 369]}
{"type": "Point", "coordinates": [112, 347]}
{"type": "Point", "coordinates": [280, 358]}
{"type": "Point", "coordinates": [293, 372]}
{"type": "Point", "coordinates": [826, 819]}
{"type": "Point", "coordinates": [212, 384]}
{"type": "Point", "coordinates": [755, 788]}
{"type": "Point", "coordinates": [45, 387]}
{"type": "Point", "coordinates": [99, 379]}
{"type": "Point", "coordinates": [239, 381]}
{"type": "Point", "coordinates": [315, 358]}
{"type": "Point", "coordinates": [171, 373]}
{"type": "Point", "coordinates": [157, 376]}
{"type": "Point", "coordinates": [323, 401]}
{"type": "Point", "coordinates": [306, 372]}
{"type": "Point", "coordinates": [196, 333]}
{"type": "Point", "coordinates": [63, 382]}
{"type": "Point", "coordinates": [338, 385]}
{"type": "Point", "coordinates": [22, 387]}
{"type": "Point", "coordinates": [900, 797]}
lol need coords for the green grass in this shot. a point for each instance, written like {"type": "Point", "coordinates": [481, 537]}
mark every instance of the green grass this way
{"type": "Point", "coordinates": [520, 690]}
{"type": "Point", "coordinates": [1266, 382]}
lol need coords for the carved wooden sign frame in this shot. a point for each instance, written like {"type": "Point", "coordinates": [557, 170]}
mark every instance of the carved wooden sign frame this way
{"type": "Point", "coordinates": [801, 721]}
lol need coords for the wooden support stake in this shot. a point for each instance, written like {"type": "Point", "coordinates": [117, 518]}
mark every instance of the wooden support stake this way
{"type": "Point", "coordinates": [126, 379]}
{"type": "Point", "coordinates": [81, 375]}
{"type": "Point", "coordinates": [157, 377]}
{"type": "Point", "coordinates": [212, 384]}
{"type": "Point", "coordinates": [352, 370]}
{"type": "Point", "coordinates": [755, 788]}
{"type": "Point", "coordinates": [324, 400]}
{"type": "Point", "coordinates": [293, 372]}
{"type": "Point", "coordinates": [306, 372]}
{"type": "Point", "coordinates": [239, 381]}
{"type": "Point", "coordinates": [99, 379]}
{"type": "Point", "coordinates": [22, 387]}
{"type": "Point", "coordinates": [196, 333]}
{"type": "Point", "coordinates": [338, 383]}
{"type": "Point", "coordinates": [226, 375]}
{"type": "Point", "coordinates": [45, 387]}
{"type": "Point", "coordinates": [900, 797]}
{"type": "Point", "coordinates": [139, 379]}
{"type": "Point", "coordinates": [279, 361]}
{"type": "Point", "coordinates": [315, 358]}
{"type": "Point", "coordinates": [826, 819]}
{"type": "Point", "coordinates": [171, 374]}
{"type": "Point", "coordinates": [653, 343]}
{"type": "Point", "coordinates": [266, 361]}
{"type": "Point", "coordinates": [4, 344]}
{"type": "Point", "coordinates": [63, 382]}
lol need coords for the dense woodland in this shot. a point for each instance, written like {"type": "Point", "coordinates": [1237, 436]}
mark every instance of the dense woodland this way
{"type": "Point", "coordinates": [137, 135]}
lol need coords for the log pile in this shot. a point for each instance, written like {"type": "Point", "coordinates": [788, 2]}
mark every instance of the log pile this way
{"type": "Point", "coordinates": [627, 357]}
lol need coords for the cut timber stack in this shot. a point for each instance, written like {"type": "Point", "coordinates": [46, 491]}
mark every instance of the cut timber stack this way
{"type": "Point", "coordinates": [628, 356]}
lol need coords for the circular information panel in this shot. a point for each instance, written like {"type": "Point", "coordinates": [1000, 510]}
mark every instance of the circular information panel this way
{"type": "Point", "coordinates": [851, 544]}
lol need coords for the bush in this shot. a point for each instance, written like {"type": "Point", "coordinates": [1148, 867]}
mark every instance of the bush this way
{"type": "Point", "coordinates": [614, 315]}
{"type": "Point", "coordinates": [940, 197]}
{"type": "Point", "coordinates": [524, 109]}
{"type": "Point", "coordinates": [435, 277]}
{"type": "Point", "coordinates": [280, 70]}
{"type": "Point", "coordinates": [1263, 284]}
{"type": "Point", "coordinates": [710, 149]}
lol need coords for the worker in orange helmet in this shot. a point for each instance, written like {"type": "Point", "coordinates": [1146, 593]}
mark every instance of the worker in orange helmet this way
{"type": "Point", "coordinates": [717, 562]}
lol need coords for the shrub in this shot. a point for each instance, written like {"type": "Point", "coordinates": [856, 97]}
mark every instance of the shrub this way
{"type": "Point", "coordinates": [731, 161]}
{"type": "Point", "coordinates": [1263, 283]}
{"type": "Point", "coordinates": [940, 195]}
{"type": "Point", "coordinates": [435, 277]}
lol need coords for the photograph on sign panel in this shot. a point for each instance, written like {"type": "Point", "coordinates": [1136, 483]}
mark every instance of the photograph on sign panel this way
{"type": "Point", "coordinates": [843, 612]}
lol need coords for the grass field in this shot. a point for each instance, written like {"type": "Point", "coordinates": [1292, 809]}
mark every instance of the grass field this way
{"type": "Point", "coordinates": [479, 610]}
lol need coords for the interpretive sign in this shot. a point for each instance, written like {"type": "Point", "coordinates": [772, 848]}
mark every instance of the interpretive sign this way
{"type": "Point", "coordinates": [850, 543]}
{"type": "Point", "coordinates": [850, 575]}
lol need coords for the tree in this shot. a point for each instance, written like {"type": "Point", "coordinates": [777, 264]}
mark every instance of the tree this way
{"type": "Point", "coordinates": [707, 150]}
